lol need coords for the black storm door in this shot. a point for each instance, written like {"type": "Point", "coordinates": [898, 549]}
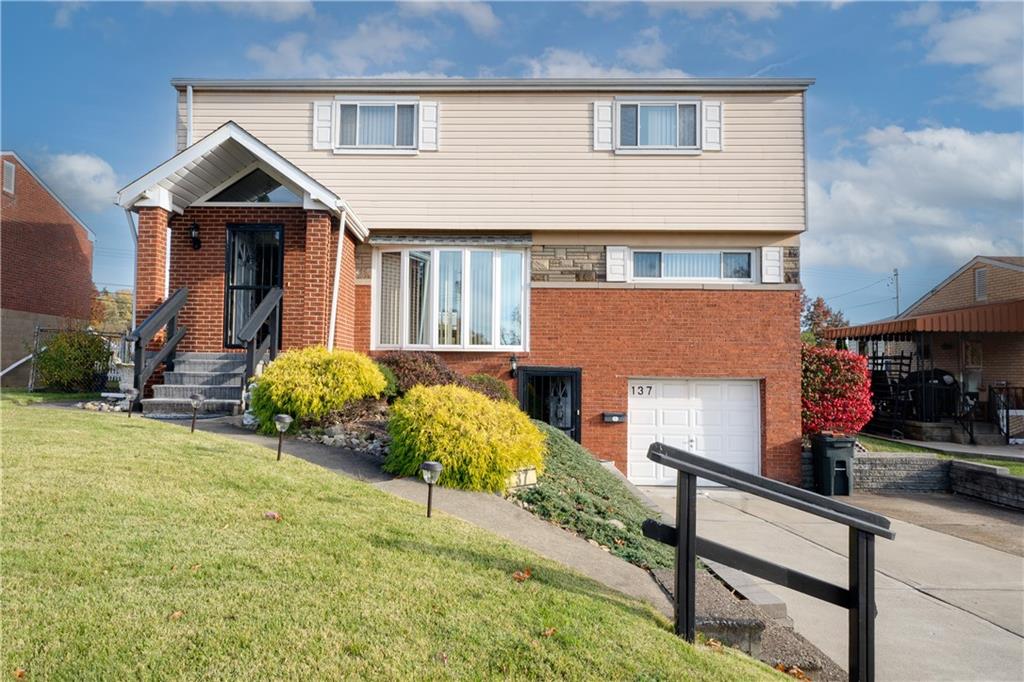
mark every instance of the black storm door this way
{"type": "Point", "coordinates": [552, 395]}
{"type": "Point", "coordinates": [254, 265]}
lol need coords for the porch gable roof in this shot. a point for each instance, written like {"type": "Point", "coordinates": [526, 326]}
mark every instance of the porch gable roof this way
{"type": "Point", "coordinates": [193, 173]}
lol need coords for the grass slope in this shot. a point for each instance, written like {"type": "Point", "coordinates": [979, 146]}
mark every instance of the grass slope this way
{"type": "Point", "coordinates": [579, 494]}
{"type": "Point", "coordinates": [134, 550]}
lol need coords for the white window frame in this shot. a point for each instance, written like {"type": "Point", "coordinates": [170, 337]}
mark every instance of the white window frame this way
{"type": "Point", "coordinates": [696, 102]}
{"type": "Point", "coordinates": [360, 102]}
{"type": "Point", "coordinates": [9, 180]}
{"type": "Point", "coordinates": [466, 300]}
{"type": "Point", "coordinates": [755, 275]}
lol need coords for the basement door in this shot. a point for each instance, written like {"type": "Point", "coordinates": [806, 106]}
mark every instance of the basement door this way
{"type": "Point", "coordinates": [715, 418]}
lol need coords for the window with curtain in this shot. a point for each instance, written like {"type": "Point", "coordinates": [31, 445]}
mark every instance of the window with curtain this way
{"type": "Point", "coordinates": [451, 298]}
{"type": "Point", "coordinates": [692, 265]}
{"type": "Point", "coordinates": [377, 125]}
{"type": "Point", "coordinates": [658, 125]}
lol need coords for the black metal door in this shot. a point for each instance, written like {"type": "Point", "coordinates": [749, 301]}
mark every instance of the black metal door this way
{"type": "Point", "coordinates": [552, 395]}
{"type": "Point", "coordinates": [254, 264]}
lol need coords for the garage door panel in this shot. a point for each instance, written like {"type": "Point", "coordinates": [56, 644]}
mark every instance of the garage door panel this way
{"type": "Point", "coordinates": [741, 392]}
{"type": "Point", "coordinates": [675, 417]}
{"type": "Point", "coordinates": [643, 416]}
{"type": "Point", "coordinates": [673, 390]}
{"type": "Point", "coordinates": [708, 417]}
{"type": "Point", "coordinates": [708, 392]}
{"type": "Point", "coordinates": [741, 419]}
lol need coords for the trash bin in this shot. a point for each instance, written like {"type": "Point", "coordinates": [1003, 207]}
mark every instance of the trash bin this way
{"type": "Point", "coordinates": [833, 464]}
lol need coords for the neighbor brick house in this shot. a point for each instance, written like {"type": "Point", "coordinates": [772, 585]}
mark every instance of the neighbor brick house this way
{"type": "Point", "coordinates": [624, 252]}
{"type": "Point", "coordinates": [45, 265]}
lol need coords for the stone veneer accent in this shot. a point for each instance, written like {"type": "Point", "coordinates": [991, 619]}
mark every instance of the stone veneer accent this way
{"type": "Point", "coordinates": [364, 261]}
{"type": "Point", "coordinates": [791, 264]}
{"type": "Point", "coordinates": [567, 263]}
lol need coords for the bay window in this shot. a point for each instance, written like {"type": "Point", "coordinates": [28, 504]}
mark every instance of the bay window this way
{"type": "Point", "coordinates": [697, 265]}
{"type": "Point", "coordinates": [450, 299]}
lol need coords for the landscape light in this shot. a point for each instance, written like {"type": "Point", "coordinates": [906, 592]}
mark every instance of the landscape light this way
{"type": "Point", "coordinates": [431, 471]}
{"type": "Point", "coordinates": [197, 402]}
{"type": "Point", "coordinates": [131, 394]}
{"type": "Point", "coordinates": [282, 422]}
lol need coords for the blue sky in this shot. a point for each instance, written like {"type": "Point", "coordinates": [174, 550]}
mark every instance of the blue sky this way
{"type": "Point", "coordinates": [915, 125]}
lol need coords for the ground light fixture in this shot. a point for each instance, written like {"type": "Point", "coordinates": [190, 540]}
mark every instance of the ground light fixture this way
{"type": "Point", "coordinates": [430, 471]}
{"type": "Point", "coordinates": [282, 422]}
{"type": "Point", "coordinates": [131, 394]}
{"type": "Point", "coordinates": [197, 401]}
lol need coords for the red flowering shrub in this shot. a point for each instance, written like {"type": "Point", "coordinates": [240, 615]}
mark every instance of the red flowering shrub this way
{"type": "Point", "coordinates": [836, 391]}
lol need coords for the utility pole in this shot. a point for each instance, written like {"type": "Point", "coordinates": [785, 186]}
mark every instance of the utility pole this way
{"type": "Point", "coordinates": [896, 283]}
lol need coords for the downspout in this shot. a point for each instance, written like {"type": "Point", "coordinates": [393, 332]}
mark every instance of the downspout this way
{"type": "Point", "coordinates": [337, 281]}
{"type": "Point", "coordinates": [188, 116]}
{"type": "Point", "coordinates": [134, 232]}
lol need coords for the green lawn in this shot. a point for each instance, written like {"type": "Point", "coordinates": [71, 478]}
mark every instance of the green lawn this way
{"type": "Point", "coordinates": [134, 550]}
{"type": "Point", "coordinates": [879, 445]}
{"type": "Point", "coordinates": [21, 396]}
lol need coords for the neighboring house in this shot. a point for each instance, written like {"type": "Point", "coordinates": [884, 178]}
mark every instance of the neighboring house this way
{"type": "Point", "coordinates": [45, 265]}
{"type": "Point", "coordinates": [970, 327]}
{"type": "Point", "coordinates": [630, 245]}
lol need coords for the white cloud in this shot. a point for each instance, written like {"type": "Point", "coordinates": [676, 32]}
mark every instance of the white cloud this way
{"type": "Point", "coordinates": [65, 13]}
{"type": "Point", "coordinates": [935, 193]}
{"type": "Point", "coordinates": [86, 182]}
{"type": "Point", "coordinates": [649, 53]}
{"type": "Point", "coordinates": [989, 38]}
{"type": "Point", "coordinates": [478, 15]}
{"type": "Point", "coordinates": [270, 11]}
{"type": "Point", "coordinates": [559, 63]}
{"type": "Point", "coordinates": [603, 9]}
{"type": "Point", "coordinates": [740, 44]}
{"type": "Point", "coordinates": [752, 11]}
{"type": "Point", "coordinates": [290, 58]}
{"type": "Point", "coordinates": [924, 14]}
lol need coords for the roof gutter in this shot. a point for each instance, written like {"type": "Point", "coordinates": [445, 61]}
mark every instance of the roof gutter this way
{"type": "Point", "coordinates": [134, 232]}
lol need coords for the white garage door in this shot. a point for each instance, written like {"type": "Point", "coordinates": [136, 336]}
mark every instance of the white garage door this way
{"type": "Point", "coordinates": [717, 419]}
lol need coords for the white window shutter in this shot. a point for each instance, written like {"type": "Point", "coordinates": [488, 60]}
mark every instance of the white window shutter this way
{"type": "Point", "coordinates": [603, 126]}
{"type": "Point", "coordinates": [771, 264]}
{"type": "Point", "coordinates": [428, 126]}
{"type": "Point", "coordinates": [323, 125]}
{"type": "Point", "coordinates": [615, 263]}
{"type": "Point", "coordinates": [712, 134]}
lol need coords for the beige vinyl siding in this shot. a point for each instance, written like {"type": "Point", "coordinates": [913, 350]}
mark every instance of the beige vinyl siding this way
{"type": "Point", "coordinates": [524, 161]}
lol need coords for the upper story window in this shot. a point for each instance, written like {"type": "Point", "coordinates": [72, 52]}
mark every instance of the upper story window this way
{"type": "Point", "coordinates": [980, 284]}
{"type": "Point", "coordinates": [659, 125]}
{"type": "Point", "coordinates": [697, 266]}
{"type": "Point", "coordinates": [450, 299]}
{"type": "Point", "coordinates": [9, 170]}
{"type": "Point", "coordinates": [376, 125]}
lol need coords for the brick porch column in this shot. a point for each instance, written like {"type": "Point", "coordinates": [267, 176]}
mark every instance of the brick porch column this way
{"type": "Point", "coordinates": [151, 261]}
{"type": "Point", "coordinates": [316, 279]}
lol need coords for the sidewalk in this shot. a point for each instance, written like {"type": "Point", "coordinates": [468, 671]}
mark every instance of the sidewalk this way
{"type": "Point", "coordinates": [948, 608]}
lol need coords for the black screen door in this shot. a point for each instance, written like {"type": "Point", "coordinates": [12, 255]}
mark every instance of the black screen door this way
{"type": "Point", "coordinates": [253, 266]}
{"type": "Point", "coordinates": [552, 395]}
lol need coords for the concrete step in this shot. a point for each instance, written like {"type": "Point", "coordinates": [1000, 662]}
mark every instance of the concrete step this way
{"type": "Point", "coordinates": [173, 407]}
{"type": "Point", "coordinates": [196, 355]}
{"type": "Point", "coordinates": [185, 391]}
{"type": "Point", "coordinates": [177, 378]}
{"type": "Point", "coordinates": [215, 365]}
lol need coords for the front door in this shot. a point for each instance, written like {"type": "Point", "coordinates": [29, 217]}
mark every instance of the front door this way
{"type": "Point", "coordinates": [254, 265]}
{"type": "Point", "coordinates": [552, 395]}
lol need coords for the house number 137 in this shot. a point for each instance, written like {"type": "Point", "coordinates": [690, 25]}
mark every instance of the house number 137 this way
{"type": "Point", "coordinates": [644, 389]}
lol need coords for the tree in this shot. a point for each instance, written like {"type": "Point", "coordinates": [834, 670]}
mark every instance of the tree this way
{"type": "Point", "coordinates": [816, 318]}
{"type": "Point", "coordinates": [112, 311]}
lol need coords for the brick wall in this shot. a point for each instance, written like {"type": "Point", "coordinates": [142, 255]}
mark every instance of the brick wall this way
{"type": "Point", "coordinates": [344, 324]}
{"type": "Point", "coordinates": [46, 256]}
{"type": "Point", "coordinates": [1003, 285]}
{"type": "Point", "coordinates": [614, 334]}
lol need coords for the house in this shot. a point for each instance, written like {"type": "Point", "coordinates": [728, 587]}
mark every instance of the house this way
{"type": "Point", "coordinates": [951, 366]}
{"type": "Point", "coordinates": [623, 252]}
{"type": "Point", "coordinates": [45, 265]}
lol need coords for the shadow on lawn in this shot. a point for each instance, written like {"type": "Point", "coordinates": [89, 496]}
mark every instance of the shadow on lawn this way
{"type": "Point", "coordinates": [556, 578]}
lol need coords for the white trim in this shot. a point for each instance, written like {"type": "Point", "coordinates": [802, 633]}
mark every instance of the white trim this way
{"type": "Point", "coordinates": [752, 252]}
{"type": "Point", "coordinates": [297, 191]}
{"type": "Point", "coordinates": [337, 280]}
{"type": "Point", "coordinates": [14, 155]}
{"type": "Point", "coordinates": [188, 116]}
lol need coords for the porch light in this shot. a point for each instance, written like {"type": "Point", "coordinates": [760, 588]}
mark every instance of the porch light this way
{"type": "Point", "coordinates": [197, 401]}
{"type": "Point", "coordinates": [282, 422]}
{"type": "Point", "coordinates": [193, 234]}
{"type": "Point", "coordinates": [513, 363]}
{"type": "Point", "coordinates": [431, 471]}
{"type": "Point", "coordinates": [132, 394]}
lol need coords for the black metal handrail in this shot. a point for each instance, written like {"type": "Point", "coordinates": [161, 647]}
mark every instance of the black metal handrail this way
{"type": "Point", "coordinates": [165, 315]}
{"type": "Point", "coordinates": [858, 598]}
{"type": "Point", "coordinates": [268, 309]}
{"type": "Point", "coordinates": [1001, 400]}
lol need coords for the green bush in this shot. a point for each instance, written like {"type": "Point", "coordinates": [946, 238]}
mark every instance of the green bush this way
{"type": "Point", "coordinates": [309, 383]}
{"type": "Point", "coordinates": [579, 494]}
{"type": "Point", "coordinates": [390, 391]}
{"type": "Point", "coordinates": [492, 387]}
{"type": "Point", "coordinates": [416, 368]}
{"type": "Point", "coordinates": [73, 360]}
{"type": "Point", "coordinates": [479, 442]}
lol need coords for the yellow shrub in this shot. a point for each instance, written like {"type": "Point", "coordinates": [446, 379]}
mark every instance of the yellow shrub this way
{"type": "Point", "coordinates": [309, 383]}
{"type": "Point", "coordinates": [479, 442]}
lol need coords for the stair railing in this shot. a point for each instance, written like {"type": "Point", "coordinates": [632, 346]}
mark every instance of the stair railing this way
{"type": "Point", "coordinates": [1003, 399]}
{"type": "Point", "coordinates": [166, 315]}
{"type": "Point", "coordinates": [858, 598]}
{"type": "Point", "coordinates": [268, 309]}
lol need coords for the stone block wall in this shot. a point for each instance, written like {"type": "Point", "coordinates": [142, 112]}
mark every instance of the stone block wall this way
{"type": "Point", "coordinates": [567, 263]}
{"type": "Point", "coordinates": [989, 483]}
{"type": "Point", "coordinates": [890, 473]}
{"type": "Point", "coordinates": [791, 265]}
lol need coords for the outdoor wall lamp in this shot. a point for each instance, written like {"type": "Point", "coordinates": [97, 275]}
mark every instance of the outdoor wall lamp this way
{"type": "Point", "coordinates": [513, 363]}
{"type": "Point", "coordinates": [132, 394]}
{"type": "Point", "coordinates": [282, 422]}
{"type": "Point", "coordinates": [197, 402]}
{"type": "Point", "coordinates": [431, 471]}
{"type": "Point", "coordinates": [193, 234]}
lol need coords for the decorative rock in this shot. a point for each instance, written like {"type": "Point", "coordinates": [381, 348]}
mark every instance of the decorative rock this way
{"type": "Point", "coordinates": [618, 524]}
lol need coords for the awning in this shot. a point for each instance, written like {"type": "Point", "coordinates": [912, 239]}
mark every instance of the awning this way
{"type": "Point", "coordinates": [994, 317]}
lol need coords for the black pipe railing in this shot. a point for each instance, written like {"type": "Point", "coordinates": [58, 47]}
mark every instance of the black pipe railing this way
{"type": "Point", "coordinates": [858, 598]}
{"type": "Point", "coordinates": [269, 309]}
{"type": "Point", "coordinates": [166, 315]}
{"type": "Point", "coordinates": [1001, 400]}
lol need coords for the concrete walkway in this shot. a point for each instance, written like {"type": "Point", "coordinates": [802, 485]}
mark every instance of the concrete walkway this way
{"type": "Point", "coordinates": [948, 608]}
{"type": "Point", "coordinates": [486, 511]}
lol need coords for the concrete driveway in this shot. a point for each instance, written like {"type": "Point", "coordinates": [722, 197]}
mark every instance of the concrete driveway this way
{"type": "Point", "coordinates": [948, 608]}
